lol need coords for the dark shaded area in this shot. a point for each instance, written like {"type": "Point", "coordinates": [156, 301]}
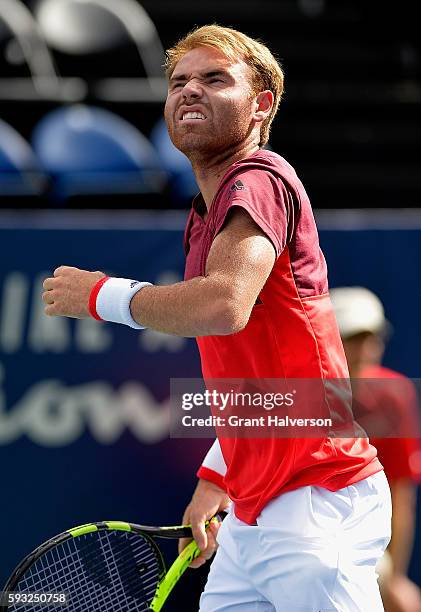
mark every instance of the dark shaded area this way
{"type": "Point", "coordinates": [348, 122]}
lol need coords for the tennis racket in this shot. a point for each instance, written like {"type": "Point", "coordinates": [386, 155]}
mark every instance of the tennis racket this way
{"type": "Point", "coordinates": [98, 567]}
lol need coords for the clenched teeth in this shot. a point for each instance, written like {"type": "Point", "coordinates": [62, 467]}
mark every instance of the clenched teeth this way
{"type": "Point", "coordinates": [193, 116]}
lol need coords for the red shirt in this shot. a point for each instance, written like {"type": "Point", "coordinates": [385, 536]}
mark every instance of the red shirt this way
{"type": "Point", "coordinates": [291, 333]}
{"type": "Point", "coordinates": [390, 399]}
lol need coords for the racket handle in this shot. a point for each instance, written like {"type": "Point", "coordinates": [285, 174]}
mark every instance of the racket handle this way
{"type": "Point", "coordinates": [177, 569]}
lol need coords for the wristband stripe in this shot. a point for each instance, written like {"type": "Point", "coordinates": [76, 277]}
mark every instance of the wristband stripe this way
{"type": "Point", "coordinates": [93, 298]}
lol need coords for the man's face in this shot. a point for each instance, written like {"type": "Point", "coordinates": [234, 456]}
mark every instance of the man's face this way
{"type": "Point", "coordinates": [210, 104]}
{"type": "Point", "coordinates": [361, 350]}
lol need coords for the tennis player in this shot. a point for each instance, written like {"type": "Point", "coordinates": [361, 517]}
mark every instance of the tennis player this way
{"type": "Point", "coordinates": [311, 516]}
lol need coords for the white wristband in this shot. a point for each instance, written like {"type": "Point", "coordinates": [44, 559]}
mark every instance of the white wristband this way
{"type": "Point", "coordinates": [113, 300]}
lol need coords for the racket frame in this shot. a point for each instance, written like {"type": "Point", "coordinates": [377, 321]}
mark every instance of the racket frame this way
{"type": "Point", "coordinates": [167, 579]}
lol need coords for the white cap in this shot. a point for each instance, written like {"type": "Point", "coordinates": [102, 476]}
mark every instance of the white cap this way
{"type": "Point", "coordinates": [357, 310]}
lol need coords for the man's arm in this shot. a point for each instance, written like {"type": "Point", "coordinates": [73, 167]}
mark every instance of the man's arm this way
{"type": "Point", "coordinates": [208, 499]}
{"type": "Point", "coordinates": [398, 592]}
{"type": "Point", "coordinates": [219, 303]}
{"type": "Point", "coordinates": [213, 466]}
{"type": "Point", "coordinates": [403, 524]}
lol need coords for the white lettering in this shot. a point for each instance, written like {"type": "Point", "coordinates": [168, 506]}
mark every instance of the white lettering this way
{"type": "Point", "coordinates": [52, 414]}
{"type": "Point", "coordinates": [92, 336]}
{"type": "Point", "coordinates": [12, 322]}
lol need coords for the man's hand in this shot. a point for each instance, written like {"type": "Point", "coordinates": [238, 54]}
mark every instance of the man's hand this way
{"type": "Point", "coordinates": [208, 499]}
{"type": "Point", "coordinates": [67, 293]}
{"type": "Point", "coordinates": [400, 594]}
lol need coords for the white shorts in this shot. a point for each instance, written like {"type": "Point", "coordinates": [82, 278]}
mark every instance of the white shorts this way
{"type": "Point", "coordinates": [312, 550]}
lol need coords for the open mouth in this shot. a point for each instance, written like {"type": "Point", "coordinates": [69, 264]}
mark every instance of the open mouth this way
{"type": "Point", "coordinates": [194, 116]}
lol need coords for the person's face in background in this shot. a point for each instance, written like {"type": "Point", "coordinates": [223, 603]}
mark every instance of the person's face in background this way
{"type": "Point", "coordinates": [363, 350]}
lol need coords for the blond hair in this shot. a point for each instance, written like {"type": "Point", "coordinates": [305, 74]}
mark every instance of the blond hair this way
{"type": "Point", "coordinates": [267, 73]}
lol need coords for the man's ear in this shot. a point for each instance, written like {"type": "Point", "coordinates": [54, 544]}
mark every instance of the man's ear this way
{"type": "Point", "coordinates": [264, 103]}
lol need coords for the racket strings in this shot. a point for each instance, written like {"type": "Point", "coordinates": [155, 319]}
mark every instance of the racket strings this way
{"type": "Point", "coordinates": [100, 571]}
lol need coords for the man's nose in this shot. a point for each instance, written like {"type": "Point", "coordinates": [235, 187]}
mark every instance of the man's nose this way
{"type": "Point", "coordinates": [192, 89]}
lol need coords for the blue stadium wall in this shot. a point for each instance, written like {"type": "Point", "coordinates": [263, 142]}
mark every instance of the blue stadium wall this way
{"type": "Point", "coordinates": [84, 405]}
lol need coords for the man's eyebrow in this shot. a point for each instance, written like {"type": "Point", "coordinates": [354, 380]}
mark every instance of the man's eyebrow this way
{"type": "Point", "coordinates": [208, 74]}
{"type": "Point", "coordinates": [212, 73]}
{"type": "Point", "coordinates": [179, 77]}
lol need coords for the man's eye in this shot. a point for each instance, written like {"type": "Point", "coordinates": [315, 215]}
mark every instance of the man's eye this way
{"type": "Point", "coordinates": [215, 80]}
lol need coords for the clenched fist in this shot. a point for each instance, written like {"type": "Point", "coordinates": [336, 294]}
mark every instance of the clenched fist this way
{"type": "Point", "coordinates": [67, 293]}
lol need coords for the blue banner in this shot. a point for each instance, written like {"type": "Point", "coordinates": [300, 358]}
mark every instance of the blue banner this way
{"type": "Point", "coordinates": [84, 405]}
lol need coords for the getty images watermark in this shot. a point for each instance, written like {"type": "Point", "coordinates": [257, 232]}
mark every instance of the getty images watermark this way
{"type": "Point", "coordinates": [248, 408]}
{"type": "Point", "coordinates": [292, 408]}
{"type": "Point", "coordinates": [265, 402]}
